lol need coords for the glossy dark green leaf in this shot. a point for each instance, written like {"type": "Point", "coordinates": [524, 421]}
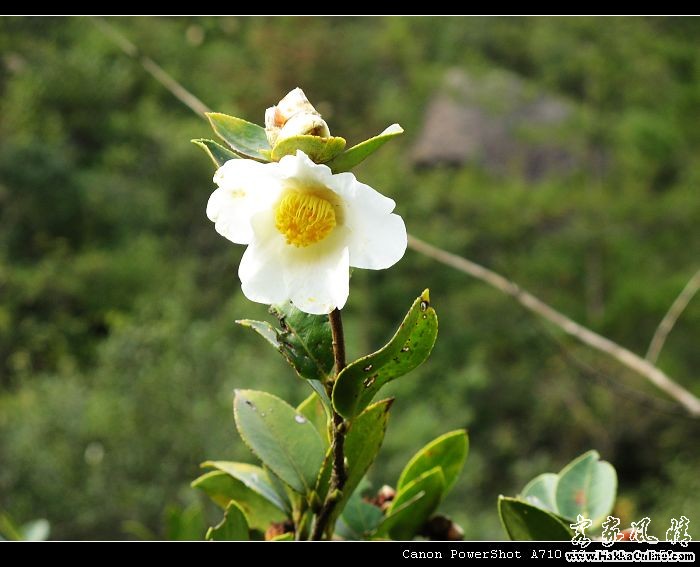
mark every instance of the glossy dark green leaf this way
{"type": "Point", "coordinates": [312, 408]}
{"type": "Point", "coordinates": [245, 138]}
{"type": "Point", "coordinates": [319, 150]}
{"type": "Point", "coordinates": [525, 522]}
{"type": "Point", "coordinates": [222, 488]}
{"type": "Point", "coordinates": [449, 451]}
{"type": "Point", "coordinates": [413, 505]}
{"type": "Point", "coordinates": [586, 486]}
{"type": "Point", "coordinates": [281, 438]}
{"type": "Point", "coordinates": [541, 491]}
{"type": "Point", "coordinates": [216, 152]}
{"type": "Point", "coordinates": [234, 526]}
{"type": "Point", "coordinates": [358, 383]}
{"type": "Point", "coordinates": [254, 477]}
{"type": "Point", "coordinates": [304, 341]}
{"type": "Point", "coordinates": [358, 153]}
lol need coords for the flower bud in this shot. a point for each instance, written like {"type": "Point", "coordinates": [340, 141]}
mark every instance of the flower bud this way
{"type": "Point", "coordinates": [294, 115]}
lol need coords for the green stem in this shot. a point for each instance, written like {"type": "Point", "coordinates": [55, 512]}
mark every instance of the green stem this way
{"type": "Point", "coordinates": [339, 474]}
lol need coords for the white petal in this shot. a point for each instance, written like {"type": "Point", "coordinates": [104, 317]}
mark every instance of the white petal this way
{"type": "Point", "coordinates": [301, 171]}
{"type": "Point", "coordinates": [321, 282]}
{"type": "Point", "coordinates": [261, 268]}
{"type": "Point", "coordinates": [245, 188]}
{"type": "Point", "coordinates": [377, 238]}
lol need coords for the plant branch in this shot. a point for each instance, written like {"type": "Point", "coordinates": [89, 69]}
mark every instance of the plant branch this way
{"type": "Point", "coordinates": [672, 315]}
{"type": "Point", "coordinates": [339, 474]}
{"type": "Point", "coordinates": [626, 357]}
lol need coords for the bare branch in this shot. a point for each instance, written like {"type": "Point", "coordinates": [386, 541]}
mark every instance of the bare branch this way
{"type": "Point", "coordinates": [626, 357]}
{"type": "Point", "coordinates": [672, 315]}
{"type": "Point", "coordinates": [527, 300]}
{"type": "Point", "coordinates": [155, 70]}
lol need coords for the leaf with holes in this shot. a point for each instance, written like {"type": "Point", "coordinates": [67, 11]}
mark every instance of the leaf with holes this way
{"type": "Point", "coordinates": [449, 451]}
{"type": "Point", "coordinates": [586, 486]}
{"type": "Point", "coordinates": [254, 477]}
{"type": "Point", "coordinates": [413, 505]}
{"type": "Point", "coordinates": [358, 383]}
{"type": "Point", "coordinates": [216, 152]}
{"type": "Point", "coordinates": [319, 150]}
{"type": "Point", "coordinates": [245, 138]}
{"type": "Point", "coordinates": [281, 438]}
{"type": "Point", "coordinates": [222, 488]}
{"type": "Point", "coordinates": [234, 526]}
{"type": "Point", "coordinates": [541, 491]}
{"type": "Point", "coordinates": [358, 153]}
{"type": "Point", "coordinates": [525, 522]}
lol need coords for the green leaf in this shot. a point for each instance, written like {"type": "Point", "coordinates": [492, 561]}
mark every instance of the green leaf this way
{"type": "Point", "coordinates": [313, 409]}
{"type": "Point", "coordinates": [525, 522]}
{"type": "Point", "coordinates": [216, 152]}
{"type": "Point", "coordinates": [413, 505]}
{"type": "Point", "coordinates": [304, 341]}
{"type": "Point", "coordinates": [246, 138]}
{"type": "Point", "coordinates": [234, 526]}
{"type": "Point", "coordinates": [358, 153]}
{"type": "Point", "coordinates": [541, 492]}
{"type": "Point", "coordinates": [253, 477]}
{"type": "Point", "coordinates": [186, 524]}
{"type": "Point", "coordinates": [319, 150]}
{"type": "Point", "coordinates": [358, 383]}
{"type": "Point", "coordinates": [449, 451]}
{"type": "Point", "coordinates": [359, 518]}
{"type": "Point", "coordinates": [362, 443]}
{"type": "Point", "coordinates": [280, 437]}
{"type": "Point", "coordinates": [586, 486]}
{"type": "Point", "coordinates": [222, 488]}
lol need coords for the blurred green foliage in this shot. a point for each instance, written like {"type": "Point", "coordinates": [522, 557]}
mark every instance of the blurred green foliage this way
{"type": "Point", "coordinates": [118, 351]}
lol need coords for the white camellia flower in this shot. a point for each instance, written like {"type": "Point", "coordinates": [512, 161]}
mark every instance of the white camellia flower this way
{"type": "Point", "coordinates": [304, 227]}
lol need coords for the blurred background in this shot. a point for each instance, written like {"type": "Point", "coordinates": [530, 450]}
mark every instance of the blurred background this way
{"type": "Point", "coordinates": [562, 153]}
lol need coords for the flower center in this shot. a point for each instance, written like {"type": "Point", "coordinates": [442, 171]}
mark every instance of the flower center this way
{"type": "Point", "coordinates": [304, 218]}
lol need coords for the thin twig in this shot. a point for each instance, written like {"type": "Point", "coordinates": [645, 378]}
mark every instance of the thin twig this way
{"type": "Point", "coordinates": [643, 367]}
{"type": "Point", "coordinates": [339, 474]}
{"type": "Point", "coordinates": [155, 70]}
{"type": "Point", "coordinates": [672, 315]}
{"type": "Point", "coordinates": [527, 300]}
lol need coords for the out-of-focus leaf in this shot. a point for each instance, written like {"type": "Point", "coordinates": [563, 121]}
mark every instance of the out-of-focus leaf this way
{"type": "Point", "coordinates": [448, 452]}
{"type": "Point", "coordinates": [525, 522]}
{"type": "Point", "coordinates": [586, 486]}
{"type": "Point", "coordinates": [413, 505]}
{"type": "Point", "coordinates": [541, 491]}
{"type": "Point", "coordinates": [234, 526]}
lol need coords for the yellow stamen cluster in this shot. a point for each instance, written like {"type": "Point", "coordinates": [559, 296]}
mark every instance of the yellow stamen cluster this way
{"type": "Point", "coordinates": [304, 218]}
